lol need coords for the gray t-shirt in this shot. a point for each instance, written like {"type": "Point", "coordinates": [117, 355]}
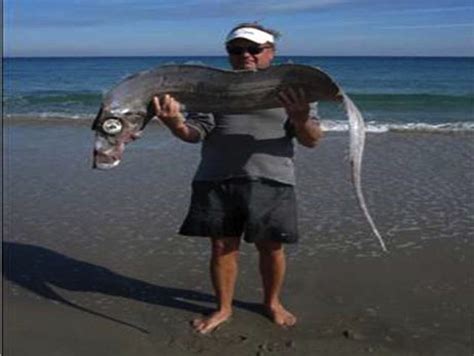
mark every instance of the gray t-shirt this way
{"type": "Point", "coordinates": [259, 144]}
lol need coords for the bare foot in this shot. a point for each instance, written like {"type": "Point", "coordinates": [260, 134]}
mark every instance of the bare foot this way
{"type": "Point", "coordinates": [280, 315]}
{"type": "Point", "coordinates": [211, 322]}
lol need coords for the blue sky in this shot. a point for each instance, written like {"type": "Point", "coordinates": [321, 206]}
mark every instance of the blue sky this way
{"type": "Point", "coordinates": [191, 27]}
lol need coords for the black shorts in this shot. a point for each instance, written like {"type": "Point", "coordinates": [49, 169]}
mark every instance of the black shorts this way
{"type": "Point", "coordinates": [259, 209]}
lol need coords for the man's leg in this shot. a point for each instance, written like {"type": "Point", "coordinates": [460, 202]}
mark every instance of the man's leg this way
{"type": "Point", "coordinates": [223, 268]}
{"type": "Point", "coordinates": [272, 269]}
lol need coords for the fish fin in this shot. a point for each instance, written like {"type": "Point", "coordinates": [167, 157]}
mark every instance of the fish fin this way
{"type": "Point", "coordinates": [150, 114]}
{"type": "Point", "coordinates": [96, 120]}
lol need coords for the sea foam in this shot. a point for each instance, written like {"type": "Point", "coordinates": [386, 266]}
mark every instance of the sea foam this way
{"type": "Point", "coordinates": [382, 127]}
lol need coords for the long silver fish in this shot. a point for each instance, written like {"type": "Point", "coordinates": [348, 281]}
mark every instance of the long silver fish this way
{"type": "Point", "coordinates": [126, 108]}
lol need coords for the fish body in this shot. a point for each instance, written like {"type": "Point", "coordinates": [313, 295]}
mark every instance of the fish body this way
{"type": "Point", "coordinates": [208, 89]}
{"type": "Point", "coordinates": [126, 109]}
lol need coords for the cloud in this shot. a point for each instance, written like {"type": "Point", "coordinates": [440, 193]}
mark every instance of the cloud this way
{"type": "Point", "coordinates": [434, 26]}
{"type": "Point", "coordinates": [289, 6]}
{"type": "Point", "coordinates": [86, 13]}
{"type": "Point", "coordinates": [432, 10]}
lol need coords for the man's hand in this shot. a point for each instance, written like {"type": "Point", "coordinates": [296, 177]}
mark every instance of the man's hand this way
{"type": "Point", "coordinates": [308, 132]}
{"type": "Point", "coordinates": [168, 111]}
{"type": "Point", "coordinates": [295, 104]}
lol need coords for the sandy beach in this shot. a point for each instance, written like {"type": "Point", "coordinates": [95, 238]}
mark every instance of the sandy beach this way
{"type": "Point", "coordinates": [93, 264]}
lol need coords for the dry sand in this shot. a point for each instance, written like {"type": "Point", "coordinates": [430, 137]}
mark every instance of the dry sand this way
{"type": "Point", "coordinates": [93, 264]}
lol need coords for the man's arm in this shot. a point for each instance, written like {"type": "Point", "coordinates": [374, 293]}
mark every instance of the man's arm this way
{"type": "Point", "coordinates": [169, 113]}
{"type": "Point", "coordinates": [307, 130]}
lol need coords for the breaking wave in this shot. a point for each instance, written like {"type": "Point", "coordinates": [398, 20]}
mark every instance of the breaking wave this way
{"type": "Point", "coordinates": [382, 127]}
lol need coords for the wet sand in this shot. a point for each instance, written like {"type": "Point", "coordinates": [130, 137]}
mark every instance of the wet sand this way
{"type": "Point", "coordinates": [93, 264]}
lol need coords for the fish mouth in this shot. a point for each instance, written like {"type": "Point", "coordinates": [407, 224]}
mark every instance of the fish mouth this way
{"type": "Point", "coordinates": [106, 166]}
{"type": "Point", "coordinates": [109, 154]}
{"type": "Point", "coordinates": [105, 161]}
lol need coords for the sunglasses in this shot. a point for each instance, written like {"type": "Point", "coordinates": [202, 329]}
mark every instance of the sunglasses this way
{"type": "Point", "coordinates": [237, 50]}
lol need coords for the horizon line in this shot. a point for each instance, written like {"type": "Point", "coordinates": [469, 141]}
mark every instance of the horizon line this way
{"type": "Point", "coordinates": [225, 56]}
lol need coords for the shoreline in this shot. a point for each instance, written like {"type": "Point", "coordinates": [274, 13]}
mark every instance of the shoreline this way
{"type": "Point", "coordinates": [329, 126]}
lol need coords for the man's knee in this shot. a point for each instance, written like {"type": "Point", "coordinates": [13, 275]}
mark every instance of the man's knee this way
{"type": "Point", "coordinates": [269, 247]}
{"type": "Point", "coordinates": [225, 245]}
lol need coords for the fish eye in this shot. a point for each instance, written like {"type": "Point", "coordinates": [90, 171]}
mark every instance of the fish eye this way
{"type": "Point", "coordinates": [112, 126]}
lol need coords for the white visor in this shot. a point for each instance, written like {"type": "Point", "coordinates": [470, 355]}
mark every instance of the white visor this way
{"type": "Point", "coordinates": [251, 34]}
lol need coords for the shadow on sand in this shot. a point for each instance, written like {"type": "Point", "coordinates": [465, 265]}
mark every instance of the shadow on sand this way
{"type": "Point", "coordinates": [37, 269]}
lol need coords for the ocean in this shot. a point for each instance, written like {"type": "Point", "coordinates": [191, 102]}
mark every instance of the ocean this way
{"type": "Point", "coordinates": [393, 93]}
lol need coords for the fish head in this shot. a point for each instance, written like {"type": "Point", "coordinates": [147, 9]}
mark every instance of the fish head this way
{"type": "Point", "coordinates": [112, 132]}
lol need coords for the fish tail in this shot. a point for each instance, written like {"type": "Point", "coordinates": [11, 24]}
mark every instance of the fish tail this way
{"type": "Point", "coordinates": [365, 210]}
{"type": "Point", "coordinates": [357, 141]}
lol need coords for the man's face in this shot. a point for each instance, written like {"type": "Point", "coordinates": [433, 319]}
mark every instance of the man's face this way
{"type": "Point", "coordinates": [247, 60]}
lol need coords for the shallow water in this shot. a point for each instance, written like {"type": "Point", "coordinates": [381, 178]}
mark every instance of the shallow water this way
{"type": "Point", "coordinates": [418, 188]}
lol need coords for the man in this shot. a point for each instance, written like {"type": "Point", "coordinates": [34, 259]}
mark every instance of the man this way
{"type": "Point", "coordinates": [244, 184]}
